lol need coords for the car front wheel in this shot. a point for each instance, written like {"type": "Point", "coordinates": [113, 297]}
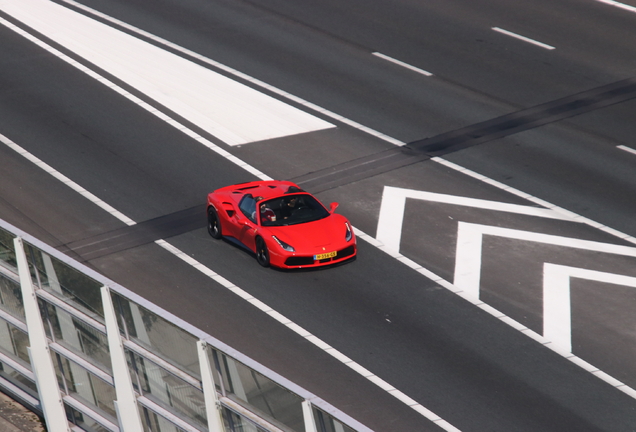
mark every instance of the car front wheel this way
{"type": "Point", "coordinates": [262, 254]}
{"type": "Point", "coordinates": [214, 224]}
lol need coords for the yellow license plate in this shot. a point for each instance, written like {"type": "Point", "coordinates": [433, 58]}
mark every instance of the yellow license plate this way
{"type": "Point", "coordinates": [325, 255]}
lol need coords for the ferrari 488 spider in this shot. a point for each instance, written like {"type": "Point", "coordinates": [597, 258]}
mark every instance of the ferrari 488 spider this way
{"type": "Point", "coordinates": [283, 225]}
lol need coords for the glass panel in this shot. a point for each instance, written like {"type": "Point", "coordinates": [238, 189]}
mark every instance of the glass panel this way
{"type": "Point", "coordinates": [15, 377]}
{"type": "Point", "coordinates": [234, 422]}
{"type": "Point", "coordinates": [11, 297]}
{"type": "Point", "coordinates": [6, 341]}
{"type": "Point", "coordinates": [326, 423]}
{"type": "Point", "coordinates": [170, 391]}
{"type": "Point", "coordinates": [262, 394]}
{"type": "Point", "coordinates": [7, 251]}
{"type": "Point", "coordinates": [215, 363]}
{"type": "Point", "coordinates": [20, 343]}
{"type": "Point", "coordinates": [168, 341]}
{"type": "Point", "coordinates": [122, 311]}
{"type": "Point", "coordinates": [153, 422]}
{"type": "Point", "coordinates": [76, 335]}
{"type": "Point", "coordinates": [64, 281]}
{"type": "Point", "coordinates": [83, 421]}
{"type": "Point", "coordinates": [85, 386]}
{"type": "Point", "coordinates": [14, 341]}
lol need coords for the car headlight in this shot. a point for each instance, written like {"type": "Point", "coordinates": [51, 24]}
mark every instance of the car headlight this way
{"type": "Point", "coordinates": [284, 245]}
{"type": "Point", "coordinates": [349, 234]}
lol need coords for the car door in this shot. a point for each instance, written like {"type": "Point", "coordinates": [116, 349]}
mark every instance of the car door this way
{"type": "Point", "coordinates": [245, 226]}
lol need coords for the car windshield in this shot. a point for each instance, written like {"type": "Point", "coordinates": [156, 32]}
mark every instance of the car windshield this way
{"type": "Point", "coordinates": [291, 210]}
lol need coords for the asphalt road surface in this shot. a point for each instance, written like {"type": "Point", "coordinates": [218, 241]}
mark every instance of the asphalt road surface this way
{"type": "Point", "coordinates": [482, 149]}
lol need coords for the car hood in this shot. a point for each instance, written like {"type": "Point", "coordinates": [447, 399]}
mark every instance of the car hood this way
{"type": "Point", "coordinates": [311, 236]}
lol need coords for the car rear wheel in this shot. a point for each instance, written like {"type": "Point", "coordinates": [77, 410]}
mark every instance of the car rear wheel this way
{"type": "Point", "coordinates": [262, 254]}
{"type": "Point", "coordinates": [214, 224]}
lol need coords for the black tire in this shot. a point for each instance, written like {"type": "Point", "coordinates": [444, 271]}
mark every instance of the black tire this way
{"type": "Point", "coordinates": [262, 254]}
{"type": "Point", "coordinates": [214, 224]}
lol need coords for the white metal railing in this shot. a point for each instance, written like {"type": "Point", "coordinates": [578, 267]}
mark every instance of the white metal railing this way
{"type": "Point", "coordinates": [70, 312]}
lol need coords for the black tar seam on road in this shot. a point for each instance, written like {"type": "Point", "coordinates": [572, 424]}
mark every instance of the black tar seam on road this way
{"type": "Point", "coordinates": [128, 237]}
{"type": "Point", "coordinates": [469, 136]}
{"type": "Point", "coordinates": [358, 169]}
{"type": "Point", "coordinates": [526, 119]}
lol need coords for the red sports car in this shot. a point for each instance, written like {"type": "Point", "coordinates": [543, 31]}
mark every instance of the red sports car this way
{"type": "Point", "coordinates": [282, 224]}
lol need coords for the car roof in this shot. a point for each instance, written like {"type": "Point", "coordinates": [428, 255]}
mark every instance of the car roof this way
{"type": "Point", "coordinates": [267, 188]}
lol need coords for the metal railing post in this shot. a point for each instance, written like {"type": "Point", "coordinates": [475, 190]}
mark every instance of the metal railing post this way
{"type": "Point", "coordinates": [126, 403]}
{"type": "Point", "coordinates": [212, 405]}
{"type": "Point", "coordinates": [308, 415]}
{"type": "Point", "coordinates": [39, 353]}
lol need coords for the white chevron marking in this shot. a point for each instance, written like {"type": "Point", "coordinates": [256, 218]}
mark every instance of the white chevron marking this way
{"type": "Point", "coordinates": [394, 201]}
{"type": "Point", "coordinates": [469, 242]}
{"type": "Point", "coordinates": [557, 320]}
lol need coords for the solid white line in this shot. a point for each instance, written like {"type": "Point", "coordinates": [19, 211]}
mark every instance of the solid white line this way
{"type": "Point", "coordinates": [61, 177]}
{"type": "Point", "coordinates": [539, 201]}
{"type": "Point", "coordinates": [242, 293]}
{"type": "Point", "coordinates": [627, 149]}
{"type": "Point", "coordinates": [523, 38]}
{"type": "Point", "coordinates": [308, 336]}
{"type": "Point", "coordinates": [401, 63]}
{"type": "Point", "coordinates": [619, 5]}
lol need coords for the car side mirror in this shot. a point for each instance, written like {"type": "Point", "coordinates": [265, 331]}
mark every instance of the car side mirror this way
{"type": "Point", "coordinates": [333, 207]}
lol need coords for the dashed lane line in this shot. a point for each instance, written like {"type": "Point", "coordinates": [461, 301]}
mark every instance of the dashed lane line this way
{"type": "Point", "coordinates": [627, 149]}
{"type": "Point", "coordinates": [401, 63]}
{"type": "Point", "coordinates": [523, 38]}
{"type": "Point", "coordinates": [619, 5]}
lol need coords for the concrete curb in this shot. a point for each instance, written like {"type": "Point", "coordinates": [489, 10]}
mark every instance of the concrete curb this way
{"type": "Point", "coordinates": [16, 418]}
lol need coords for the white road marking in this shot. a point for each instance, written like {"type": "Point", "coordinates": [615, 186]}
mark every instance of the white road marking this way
{"type": "Point", "coordinates": [401, 63]}
{"type": "Point", "coordinates": [557, 316]}
{"type": "Point", "coordinates": [469, 244]}
{"type": "Point", "coordinates": [467, 276]}
{"type": "Point", "coordinates": [469, 250]}
{"type": "Point", "coordinates": [539, 201]}
{"type": "Point", "coordinates": [394, 201]}
{"type": "Point", "coordinates": [227, 109]}
{"type": "Point", "coordinates": [557, 320]}
{"type": "Point", "coordinates": [61, 177]}
{"type": "Point", "coordinates": [523, 38]}
{"type": "Point", "coordinates": [244, 294]}
{"type": "Point", "coordinates": [240, 75]}
{"type": "Point", "coordinates": [310, 337]}
{"type": "Point", "coordinates": [627, 149]}
{"type": "Point", "coordinates": [139, 102]}
{"type": "Point", "coordinates": [619, 5]}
